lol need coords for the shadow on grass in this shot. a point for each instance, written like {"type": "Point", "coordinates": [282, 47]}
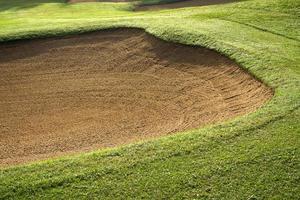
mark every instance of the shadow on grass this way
{"type": "Point", "coordinates": [148, 5]}
{"type": "Point", "coordinates": [24, 4]}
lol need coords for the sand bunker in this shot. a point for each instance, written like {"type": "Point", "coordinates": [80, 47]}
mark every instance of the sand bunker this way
{"type": "Point", "coordinates": [109, 88]}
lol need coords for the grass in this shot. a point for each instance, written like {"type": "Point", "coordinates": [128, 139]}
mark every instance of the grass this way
{"type": "Point", "coordinates": [251, 157]}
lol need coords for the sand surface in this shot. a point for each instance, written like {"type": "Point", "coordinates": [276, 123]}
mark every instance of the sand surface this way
{"type": "Point", "coordinates": [79, 93]}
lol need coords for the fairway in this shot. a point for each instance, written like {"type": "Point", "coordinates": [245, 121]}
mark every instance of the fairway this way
{"type": "Point", "coordinates": [164, 4]}
{"type": "Point", "coordinates": [178, 4]}
{"type": "Point", "coordinates": [178, 100]}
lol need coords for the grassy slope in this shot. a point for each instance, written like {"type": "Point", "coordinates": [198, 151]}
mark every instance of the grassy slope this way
{"type": "Point", "coordinates": [253, 156]}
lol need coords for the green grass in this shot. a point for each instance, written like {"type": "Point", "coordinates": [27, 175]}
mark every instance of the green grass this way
{"type": "Point", "coordinates": [251, 157]}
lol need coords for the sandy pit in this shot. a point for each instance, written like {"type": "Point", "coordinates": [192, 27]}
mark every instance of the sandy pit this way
{"type": "Point", "coordinates": [79, 93]}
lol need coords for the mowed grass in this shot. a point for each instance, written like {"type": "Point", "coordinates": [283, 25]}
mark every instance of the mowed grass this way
{"type": "Point", "coordinates": [251, 157]}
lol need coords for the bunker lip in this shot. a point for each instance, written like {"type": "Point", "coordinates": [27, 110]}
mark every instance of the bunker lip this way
{"type": "Point", "coordinates": [60, 96]}
{"type": "Point", "coordinates": [161, 6]}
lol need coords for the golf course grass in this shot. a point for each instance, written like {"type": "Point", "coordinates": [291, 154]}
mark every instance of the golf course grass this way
{"type": "Point", "coordinates": [255, 156]}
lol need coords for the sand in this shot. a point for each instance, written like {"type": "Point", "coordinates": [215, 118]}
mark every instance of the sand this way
{"type": "Point", "coordinates": [60, 96]}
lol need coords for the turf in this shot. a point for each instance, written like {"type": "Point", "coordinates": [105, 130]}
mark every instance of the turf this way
{"type": "Point", "coordinates": [251, 157]}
